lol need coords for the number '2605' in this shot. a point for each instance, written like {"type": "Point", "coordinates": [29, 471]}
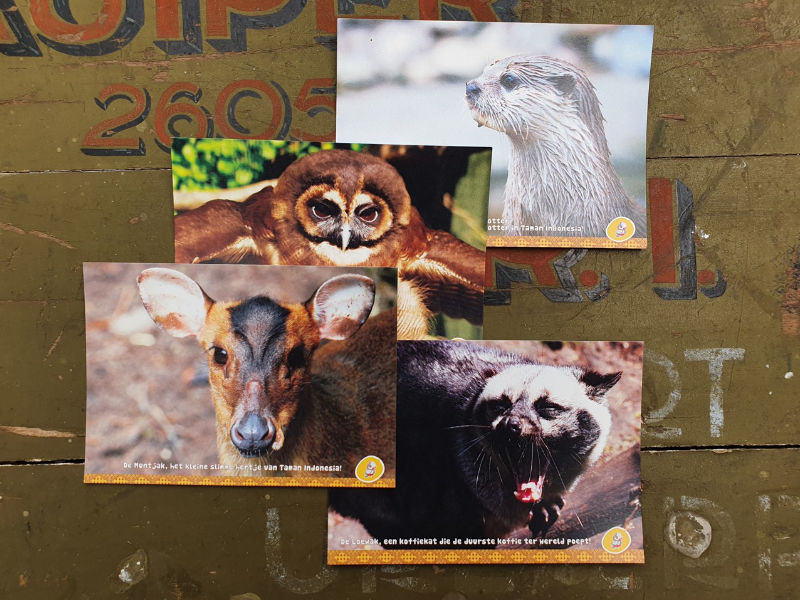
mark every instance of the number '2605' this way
{"type": "Point", "coordinates": [181, 102]}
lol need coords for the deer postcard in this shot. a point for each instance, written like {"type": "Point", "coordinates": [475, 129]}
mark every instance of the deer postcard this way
{"type": "Point", "coordinates": [240, 374]}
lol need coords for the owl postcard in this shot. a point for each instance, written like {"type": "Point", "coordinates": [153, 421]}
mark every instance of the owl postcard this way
{"type": "Point", "coordinates": [564, 108]}
{"type": "Point", "coordinates": [517, 452]}
{"type": "Point", "coordinates": [421, 209]}
{"type": "Point", "coordinates": [240, 375]}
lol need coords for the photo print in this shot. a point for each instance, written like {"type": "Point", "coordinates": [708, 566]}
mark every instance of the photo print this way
{"type": "Point", "coordinates": [419, 209]}
{"type": "Point", "coordinates": [564, 108]}
{"type": "Point", "coordinates": [240, 375]}
{"type": "Point", "coordinates": [507, 452]}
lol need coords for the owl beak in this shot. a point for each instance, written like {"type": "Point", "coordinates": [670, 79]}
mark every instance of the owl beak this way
{"type": "Point", "coordinates": [345, 236]}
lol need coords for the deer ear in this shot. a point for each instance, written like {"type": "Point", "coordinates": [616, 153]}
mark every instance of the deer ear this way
{"type": "Point", "coordinates": [175, 302]}
{"type": "Point", "coordinates": [341, 305]}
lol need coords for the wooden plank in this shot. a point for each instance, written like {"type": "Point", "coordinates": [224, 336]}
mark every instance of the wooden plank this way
{"type": "Point", "coordinates": [708, 358]}
{"type": "Point", "coordinates": [216, 543]}
{"type": "Point", "coordinates": [723, 85]}
{"type": "Point", "coordinates": [695, 393]}
{"type": "Point", "coordinates": [51, 223]}
{"type": "Point", "coordinates": [261, 73]}
{"type": "Point", "coordinates": [719, 77]}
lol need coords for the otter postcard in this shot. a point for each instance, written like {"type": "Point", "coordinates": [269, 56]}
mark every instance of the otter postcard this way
{"type": "Point", "coordinates": [420, 209]}
{"type": "Point", "coordinates": [240, 375]}
{"type": "Point", "coordinates": [507, 452]}
{"type": "Point", "coordinates": [564, 108]}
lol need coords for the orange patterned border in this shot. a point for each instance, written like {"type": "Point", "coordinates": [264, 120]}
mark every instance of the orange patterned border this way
{"type": "Point", "coordinates": [329, 482]}
{"type": "Point", "coordinates": [481, 557]}
{"type": "Point", "coordinates": [535, 241]}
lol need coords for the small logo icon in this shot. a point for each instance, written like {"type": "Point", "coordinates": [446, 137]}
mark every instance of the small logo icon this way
{"type": "Point", "coordinates": [370, 469]}
{"type": "Point", "coordinates": [620, 229]}
{"type": "Point", "coordinates": [616, 540]}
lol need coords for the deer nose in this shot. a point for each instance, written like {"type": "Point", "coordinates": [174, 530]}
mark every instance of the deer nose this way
{"type": "Point", "coordinates": [473, 89]}
{"type": "Point", "coordinates": [252, 435]}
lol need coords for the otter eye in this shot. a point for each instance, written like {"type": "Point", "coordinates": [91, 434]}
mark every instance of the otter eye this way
{"type": "Point", "coordinates": [509, 81]}
{"type": "Point", "coordinates": [220, 355]}
{"type": "Point", "coordinates": [322, 211]}
{"type": "Point", "coordinates": [369, 214]}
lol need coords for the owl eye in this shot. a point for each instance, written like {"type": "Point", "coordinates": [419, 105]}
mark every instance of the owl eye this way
{"type": "Point", "coordinates": [369, 214]}
{"type": "Point", "coordinates": [509, 81]}
{"type": "Point", "coordinates": [322, 211]}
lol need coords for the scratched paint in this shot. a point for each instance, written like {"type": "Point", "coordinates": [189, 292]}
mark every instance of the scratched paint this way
{"type": "Point", "coordinates": [716, 358]}
{"type": "Point", "coordinates": [688, 533]}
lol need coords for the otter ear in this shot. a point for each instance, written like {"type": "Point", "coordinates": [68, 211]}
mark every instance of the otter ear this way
{"type": "Point", "coordinates": [564, 83]}
{"type": "Point", "coordinates": [597, 385]}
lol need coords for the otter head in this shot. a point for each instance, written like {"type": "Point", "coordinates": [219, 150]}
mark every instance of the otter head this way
{"type": "Point", "coordinates": [535, 97]}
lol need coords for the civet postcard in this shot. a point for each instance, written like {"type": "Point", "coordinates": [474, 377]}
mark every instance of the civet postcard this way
{"type": "Point", "coordinates": [508, 452]}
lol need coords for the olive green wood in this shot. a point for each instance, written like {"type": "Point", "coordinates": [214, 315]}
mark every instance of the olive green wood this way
{"type": "Point", "coordinates": [63, 539]}
{"type": "Point", "coordinates": [722, 118]}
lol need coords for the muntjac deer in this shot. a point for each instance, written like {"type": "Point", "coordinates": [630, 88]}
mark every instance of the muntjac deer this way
{"type": "Point", "coordinates": [278, 398]}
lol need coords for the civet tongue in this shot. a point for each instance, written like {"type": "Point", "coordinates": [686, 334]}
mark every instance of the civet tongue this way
{"type": "Point", "coordinates": [530, 491]}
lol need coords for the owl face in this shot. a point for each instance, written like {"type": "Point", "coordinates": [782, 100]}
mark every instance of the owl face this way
{"type": "Point", "coordinates": [345, 203]}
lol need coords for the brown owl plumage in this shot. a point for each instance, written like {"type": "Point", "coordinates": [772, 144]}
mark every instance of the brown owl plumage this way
{"type": "Point", "coordinates": [342, 208]}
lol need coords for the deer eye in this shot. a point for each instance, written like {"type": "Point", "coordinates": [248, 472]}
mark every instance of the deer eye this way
{"type": "Point", "coordinates": [369, 214]}
{"type": "Point", "coordinates": [220, 355]}
{"type": "Point", "coordinates": [322, 211]}
{"type": "Point", "coordinates": [296, 358]}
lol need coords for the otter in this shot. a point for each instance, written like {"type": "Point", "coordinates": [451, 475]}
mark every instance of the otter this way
{"type": "Point", "coordinates": [560, 174]}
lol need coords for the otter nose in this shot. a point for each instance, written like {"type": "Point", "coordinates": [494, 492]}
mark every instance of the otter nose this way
{"type": "Point", "coordinates": [473, 89]}
{"type": "Point", "coordinates": [252, 435]}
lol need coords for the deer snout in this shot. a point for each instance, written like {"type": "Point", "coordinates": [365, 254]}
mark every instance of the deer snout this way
{"type": "Point", "coordinates": [252, 435]}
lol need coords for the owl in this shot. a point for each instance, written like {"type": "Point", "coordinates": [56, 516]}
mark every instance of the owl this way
{"type": "Point", "coordinates": [343, 208]}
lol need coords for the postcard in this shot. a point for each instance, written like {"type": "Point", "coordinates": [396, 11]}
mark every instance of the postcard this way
{"type": "Point", "coordinates": [508, 452]}
{"type": "Point", "coordinates": [564, 108]}
{"type": "Point", "coordinates": [240, 375]}
{"type": "Point", "coordinates": [420, 209]}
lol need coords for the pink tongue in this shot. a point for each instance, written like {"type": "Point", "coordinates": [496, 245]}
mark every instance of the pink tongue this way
{"type": "Point", "coordinates": [530, 491]}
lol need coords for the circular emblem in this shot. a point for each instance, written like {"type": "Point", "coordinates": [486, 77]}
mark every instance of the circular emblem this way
{"type": "Point", "coordinates": [620, 229]}
{"type": "Point", "coordinates": [370, 469]}
{"type": "Point", "coordinates": [616, 540]}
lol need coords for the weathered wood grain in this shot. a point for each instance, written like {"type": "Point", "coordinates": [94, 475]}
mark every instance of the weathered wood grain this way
{"type": "Point", "coordinates": [743, 228]}
{"type": "Point", "coordinates": [56, 221]}
{"type": "Point", "coordinates": [64, 539]}
{"type": "Point", "coordinates": [720, 77]}
{"type": "Point", "coordinates": [720, 368]}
